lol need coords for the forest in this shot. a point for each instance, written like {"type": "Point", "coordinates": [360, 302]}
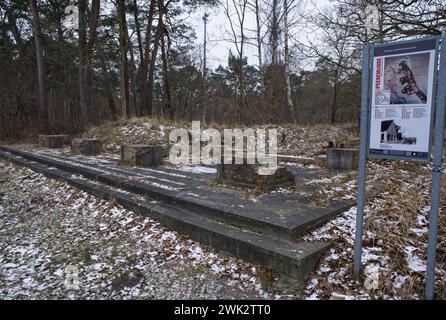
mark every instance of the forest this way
{"type": "Point", "coordinates": [67, 65]}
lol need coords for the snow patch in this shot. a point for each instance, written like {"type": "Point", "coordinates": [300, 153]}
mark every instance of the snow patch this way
{"type": "Point", "coordinates": [198, 169]}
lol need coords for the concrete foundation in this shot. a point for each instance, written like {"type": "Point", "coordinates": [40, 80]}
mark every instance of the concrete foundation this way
{"type": "Point", "coordinates": [266, 232]}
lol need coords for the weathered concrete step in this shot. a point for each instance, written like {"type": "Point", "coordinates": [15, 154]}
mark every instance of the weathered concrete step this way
{"type": "Point", "coordinates": [181, 182]}
{"type": "Point", "coordinates": [293, 260]}
{"type": "Point", "coordinates": [167, 196]}
{"type": "Point", "coordinates": [170, 180]}
{"type": "Point", "coordinates": [166, 173]}
{"type": "Point", "coordinates": [259, 218]}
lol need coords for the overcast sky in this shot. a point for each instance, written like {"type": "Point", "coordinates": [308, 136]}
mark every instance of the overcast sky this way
{"type": "Point", "coordinates": [218, 33]}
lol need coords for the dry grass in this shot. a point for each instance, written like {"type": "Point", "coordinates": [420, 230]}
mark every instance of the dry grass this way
{"type": "Point", "coordinates": [404, 191]}
{"type": "Point", "coordinates": [312, 140]}
{"type": "Point", "coordinates": [131, 131]}
{"type": "Point", "coordinates": [292, 139]}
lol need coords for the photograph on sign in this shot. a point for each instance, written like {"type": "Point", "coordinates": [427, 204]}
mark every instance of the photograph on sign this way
{"type": "Point", "coordinates": [402, 98]}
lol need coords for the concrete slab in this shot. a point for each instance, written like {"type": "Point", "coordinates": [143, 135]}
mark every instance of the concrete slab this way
{"type": "Point", "coordinates": [284, 215]}
{"type": "Point", "coordinates": [293, 260]}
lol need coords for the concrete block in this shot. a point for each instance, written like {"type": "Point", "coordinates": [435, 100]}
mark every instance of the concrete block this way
{"type": "Point", "coordinates": [166, 150]}
{"type": "Point", "coordinates": [247, 175]}
{"type": "Point", "coordinates": [342, 159]}
{"type": "Point", "coordinates": [54, 141]}
{"type": "Point", "coordinates": [86, 146]}
{"type": "Point", "coordinates": [142, 155]}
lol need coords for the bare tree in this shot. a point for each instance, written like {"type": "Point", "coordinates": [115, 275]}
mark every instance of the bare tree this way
{"type": "Point", "coordinates": [255, 8]}
{"type": "Point", "coordinates": [237, 18]}
{"type": "Point", "coordinates": [274, 31]}
{"type": "Point", "coordinates": [398, 19]}
{"type": "Point", "coordinates": [335, 51]}
{"type": "Point", "coordinates": [41, 70]}
{"type": "Point", "coordinates": [289, 97]}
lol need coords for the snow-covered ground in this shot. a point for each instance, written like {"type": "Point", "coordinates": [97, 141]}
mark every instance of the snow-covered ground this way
{"type": "Point", "coordinates": [47, 226]}
{"type": "Point", "coordinates": [50, 232]}
{"type": "Point", "coordinates": [395, 244]}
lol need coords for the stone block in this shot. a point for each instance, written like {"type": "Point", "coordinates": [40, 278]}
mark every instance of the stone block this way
{"type": "Point", "coordinates": [166, 150]}
{"type": "Point", "coordinates": [142, 155]}
{"type": "Point", "coordinates": [86, 146]}
{"type": "Point", "coordinates": [54, 141]}
{"type": "Point", "coordinates": [247, 175]}
{"type": "Point", "coordinates": [342, 159]}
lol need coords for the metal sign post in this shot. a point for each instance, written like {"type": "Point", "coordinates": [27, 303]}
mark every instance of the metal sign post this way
{"type": "Point", "coordinates": [397, 105]}
{"type": "Point", "coordinates": [365, 86]}
{"type": "Point", "coordinates": [436, 174]}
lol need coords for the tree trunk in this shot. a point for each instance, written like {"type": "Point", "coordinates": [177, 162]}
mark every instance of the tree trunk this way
{"type": "Point", "coordinates": [108, 89]}
{"type": "Point", "coordinates": [94, 20]}
{"type": "Point", "coordinates": [334, 103]}
{"type": "Point", "coordinates": [138, 30]}
{"type": "Point", "coordinates": [12, 21]}
{"type": "Point", "coordinates": [152, 71]}
{"type": "Point", "coordinates": [125, 105]}
{"type": "Point", "coordinates": [259, 45]}
{"type": "Point", "coordinates": [138, 101]}
{"type": "Point", "coordinates": [274, 35]}
{"type": "Point", "coordinates": [38, 40]}
{"type": "Point", "coordinates": [289, 97]}
{"type": "Point", "coordinates": [146, 106]}
{"type": "Point", "coordinates": [164, 59]}
{"type": "Point", "coordinates": [243, 96]}
{"type": "Point", "coordinates": [203, 84]}
{"type": "Point", "coordinates": [82, 8]}
{"type": "Point", "coordinates": [85, 55]}
{"type": "Point", "coordinates": [240, 74]}
{"type": "Point", "coordinates": [275, 71]}
{"type": "Point", "coordinates": [132, 74]}
{"type": "Point", "coordinates": [258, 34]}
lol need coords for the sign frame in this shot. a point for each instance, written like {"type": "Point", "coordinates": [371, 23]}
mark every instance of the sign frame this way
{"type": "Point", "coordinates": [438, 112]}
{"type": "Point", "coordinates": [370, 107]}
